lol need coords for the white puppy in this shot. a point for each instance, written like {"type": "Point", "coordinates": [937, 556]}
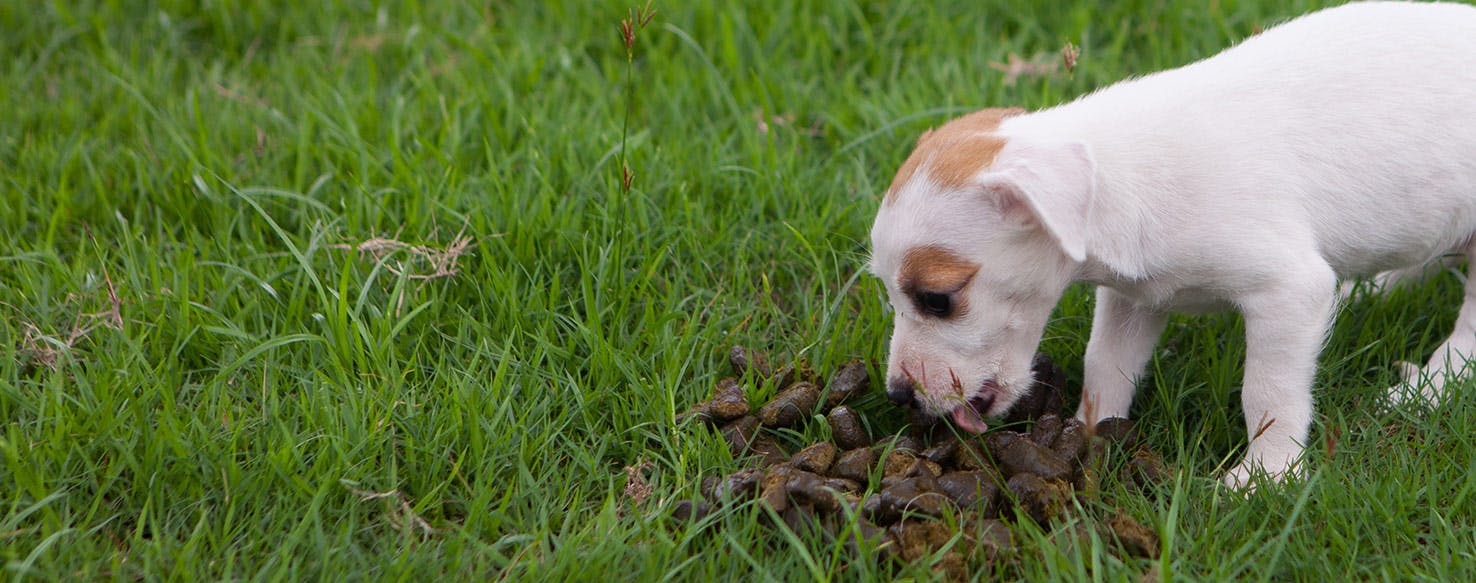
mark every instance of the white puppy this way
{"type": "Point", "coordinates": [1339, 144]}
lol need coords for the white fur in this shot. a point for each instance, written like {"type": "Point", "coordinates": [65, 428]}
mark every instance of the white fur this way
{"type": "Point", "coordinates": [1340, 144]}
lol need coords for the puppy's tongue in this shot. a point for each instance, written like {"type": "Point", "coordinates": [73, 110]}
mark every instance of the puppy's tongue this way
{"type": "Point", "coordinates": [969, 419]}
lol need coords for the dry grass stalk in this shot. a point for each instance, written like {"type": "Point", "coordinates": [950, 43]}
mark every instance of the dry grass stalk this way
{"type": "Point", "coordinates": [636, 487]}
{"type": "Point", "coordinates": [765, 123]}
{"type": "Point", "coordinates": [397, 506]}
{"type": "Point", "coordinates": [46, 350]}
{"type": "Point", "coordinates": [1069, 54]}
{"type": "Point", "coordinates": [438, 262]}
{"type": "Point", "coordinates": [1041, 65]}
{"type": "Point", "coordinates": [629, 26]}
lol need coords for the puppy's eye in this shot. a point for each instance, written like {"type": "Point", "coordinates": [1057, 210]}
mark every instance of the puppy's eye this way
{"type": "Point", "coordinates": [934, 304]}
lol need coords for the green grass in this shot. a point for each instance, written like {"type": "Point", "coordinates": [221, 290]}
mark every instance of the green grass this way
{"type": "Point", "coordinates": [202, 375]}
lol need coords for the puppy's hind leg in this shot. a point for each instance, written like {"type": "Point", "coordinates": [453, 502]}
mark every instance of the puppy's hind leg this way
{"type": "Point", "coordinates": [1451, 360]}
{"type": "Point", "coordinates": [1393, 278]}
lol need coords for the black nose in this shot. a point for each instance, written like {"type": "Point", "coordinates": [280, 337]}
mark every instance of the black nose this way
{"type": "Point", "coordinates": [900, 392]}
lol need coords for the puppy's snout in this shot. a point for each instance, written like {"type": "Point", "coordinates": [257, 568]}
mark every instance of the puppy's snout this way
{"type": "Point", "coordinates": [900, 391]}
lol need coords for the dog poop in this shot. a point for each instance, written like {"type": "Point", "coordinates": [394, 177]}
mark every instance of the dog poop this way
{"type": "Point", "coordinates": [854, 464]}
{"type": "Point", "coordinates": [846, 428]}
{"type": "Point", "coordinates": [816, 458]}
{"type": "Point", "coordinates": [744, 361]}
{"type": "Point", "coordinates": [740, 434]}
{"type": "Point", "coordinates": [1024, 456]}
{"type": "Point", "coordinates": [687, 510]}
{"type": "Point", "coordinates": [728, 402]}
{"type": "Point", "coordinates": [852, 379]}
{"type": "Point", "coordinates": [1137, 540]}
{"type": "Point", "coordinates": [971, 489]}
{"type": "Point", "coordinates": [1042, 500]}
{"type": "Point", "coordinates": [790, 406]}
{"type": "Point", "coordinates": [923, 490]}
{"type": "Point", "coordinates": [1117, 430]}
{"type": "Point", "coordinates": [1146, 469]}
{"type": "Point", "coordinates": [1047, 395]}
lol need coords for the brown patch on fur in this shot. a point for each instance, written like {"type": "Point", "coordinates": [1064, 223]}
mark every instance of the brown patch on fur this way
{"type": "Point", "coordinates": [955, 152]}
{"type": "Point", "coordinates": [934, 269]}
{"type": "Point", "coordinates": [937, 270]}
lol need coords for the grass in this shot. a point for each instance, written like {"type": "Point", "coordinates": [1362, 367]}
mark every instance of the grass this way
{"type": "Point", "coordinates": [215, 365]}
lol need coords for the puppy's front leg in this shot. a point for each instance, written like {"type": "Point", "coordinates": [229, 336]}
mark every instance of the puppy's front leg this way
{"type": "Point", "coordinates": [1284, 326]}
{"type": "Point", "coordinates": [1123, 336]}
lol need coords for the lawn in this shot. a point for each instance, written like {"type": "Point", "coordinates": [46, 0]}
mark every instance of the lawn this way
{"type": "Point", "coordinates": [362, 291]}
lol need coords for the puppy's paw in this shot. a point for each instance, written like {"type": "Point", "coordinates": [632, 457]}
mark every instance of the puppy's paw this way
{"type": "Point", "coordinates": [1240, 478]}
{"type": "Point", "coordinates": [1268, 467]}
{"type": "Point", "coordinates": [1408, 371]}
{"type": "Point", "coordinates": [1353, 290]}
{"type": "Point", "coordinates": [1414, 388]}
{"type": "Point", "coordinates": [1244, 477]}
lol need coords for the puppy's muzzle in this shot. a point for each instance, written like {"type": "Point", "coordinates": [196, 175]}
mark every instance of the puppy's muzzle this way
{"type": "Point", "coordinates": [985, 399]}
{"type": "Point", "coordinates": [901, 392]}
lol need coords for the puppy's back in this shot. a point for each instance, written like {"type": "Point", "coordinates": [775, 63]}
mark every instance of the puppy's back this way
{"type": "Point", "coordinates": [1354, 126]}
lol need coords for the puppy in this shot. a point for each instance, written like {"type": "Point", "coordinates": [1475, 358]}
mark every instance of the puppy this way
{"type": "Point", "coordinates": [1339, 144]}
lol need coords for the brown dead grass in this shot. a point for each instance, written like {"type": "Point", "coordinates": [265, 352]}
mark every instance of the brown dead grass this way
{"type": "Point", "coordinates": [1069, 55]}
{"type": "Point", "coordinates": [1043, 64]}
{"type": "Point", "coordinates": [637, 489]}
{"type": "Point", "coordinates": [38, 348]}
{"type": "Point", "coordinates": [418, 262]}
{"type": "Point", "coordinates": [397, 509]}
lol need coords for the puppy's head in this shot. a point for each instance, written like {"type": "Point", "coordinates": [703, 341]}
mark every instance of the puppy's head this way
{"type": "Point", "coordinates": [976, 239]}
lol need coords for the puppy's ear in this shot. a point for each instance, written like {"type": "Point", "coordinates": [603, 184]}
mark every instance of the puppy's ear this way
{"type": "Point", "coordinates": [1049, 185]}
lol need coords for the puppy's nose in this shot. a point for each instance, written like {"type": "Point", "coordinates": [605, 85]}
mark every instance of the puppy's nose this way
{"type": "Point", "coordinates": [900, 392]}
